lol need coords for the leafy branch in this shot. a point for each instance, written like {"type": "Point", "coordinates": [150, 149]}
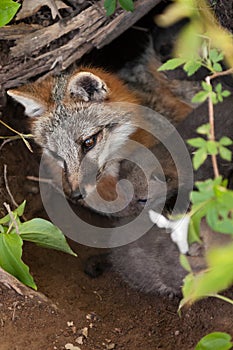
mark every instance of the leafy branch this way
{"type": "Point", "coordinates": [212, 200]}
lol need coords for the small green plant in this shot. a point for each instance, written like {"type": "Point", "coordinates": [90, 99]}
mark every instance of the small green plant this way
{"type": "Point", "coordinates": [110, 6]}
{"type": "Point", "coordinates": [8, 9]}
{"type": "Point", "coordinates": [215, 341]}
{"type": "Point", "coordinates": [212, 200]}
{"type": "Point", "coordinates": [209, 146]}
{"type": "Point", "coordinates": [12, 234]}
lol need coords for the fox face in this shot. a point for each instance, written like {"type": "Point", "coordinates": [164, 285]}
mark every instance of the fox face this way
{"type": "Point", "coordinates": [73, 119]}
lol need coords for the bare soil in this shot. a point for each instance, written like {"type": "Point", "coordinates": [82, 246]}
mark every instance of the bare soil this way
{"type": "Point", "coordinates": [116, 316]}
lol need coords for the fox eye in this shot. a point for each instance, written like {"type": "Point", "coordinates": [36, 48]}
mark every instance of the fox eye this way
{"type": "Point", "coordinates": [89, 143]}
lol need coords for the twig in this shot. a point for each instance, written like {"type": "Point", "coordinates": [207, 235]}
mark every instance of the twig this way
{"type": "Point", "coordinates": [9, 191]}
{"type": "Point", "coordinates": [13, 221]}
{"type": "Point", "coordinates": [37, 179]}
{"type": "Point", "coordinates": [220, 74]}
{"type": "Point", "coordinates": [14, 309]}
{"type": "Point", "coordinates": [212, 131]}
{"type": "Point", "coordinates": [7, 186]}
{"type": "Point", "coordinates": [22, 136]}
{"type": "Point", "coordinates": [211, 116]}
{"type": "Point", "coordinates": [4, 143]}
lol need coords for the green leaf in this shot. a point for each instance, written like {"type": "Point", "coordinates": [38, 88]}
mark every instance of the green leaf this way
{"type": "Point", "coordinates": [186, 289]}
{"type": "Point", "coordinates": [225, 153]}
{"type": "Point", "coordinates": [45, 234]}
{"type": "Point", "coordinates": [8, 9]}
{"type": "Point", "coordinates": [128, 5]}
{"type": "Point", "coordinates": [185, 263]}
{"type": "Point", "coordinates": [225, 141]}
{"type": "Point", "coordinates": [215, 201]}
{"type": "Point", "coordinates": [220, 98]}
{"type": "Point", "coordinates": [205, 190]}
{"type": "Point", "coordinates": [215, 56]}
{"type": "Point", "coordinates": [172, 64]}
{"type": "Point", "coordinates": [20, 209]}
{"type": "Point", "coordinates": [206, 87]}
{"type": "Point", "coordinates": [218, 88]}
{"type": "Point", "coordinates": [212, 147]}
{"type": "Point", "coordinates": [201, 96]}
{"type": "Point", "coordinates": [226, 93]}
{"type": "Point", "coordinates": [197, 142]}
{"type": "Point", "coordinates": [194, 227]}
{"type": "Point", "coordinates": [215, 341]}
{"type": "Point", "coordinates": [188, 41]}
{"type": "Point", "coordinates": [199, 157]}
{"type": "Point", "coordinates": [217, 67]}
{"type": "Point", "coordinates": [219, 220]}
{"type": "Point", "coordinates": [218, 276]}
{"type": "Point", "coordinates": [10, 258]}
{"type": "Point", "coordinates": [204, 129]}
{"type": "Point", "coordinates": [191, 67]}
{"type": "Point", "coordinates": [110, 7]}
{"type": "Point", "coordinates": [17, 212]}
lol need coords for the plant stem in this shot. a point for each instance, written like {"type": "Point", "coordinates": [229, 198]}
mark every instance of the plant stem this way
{"type": "Point", "coordinates": [220, 74]}
{"type": "Point", "coordinates": [211, 116]}
{"type": "Point", "coordinates": [212, 131]}
{"type": "Point", "coordinates": [221, 297]}
{"type": "Point", "coordinates": [13, 220]}
{"type": "Point", "coordinates": [7, 186]}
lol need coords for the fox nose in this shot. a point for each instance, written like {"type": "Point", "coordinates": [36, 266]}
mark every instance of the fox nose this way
{"type": "Point", "coordinates": [76, 194]}
{"type": "Point", "coordinates": [74, 187]}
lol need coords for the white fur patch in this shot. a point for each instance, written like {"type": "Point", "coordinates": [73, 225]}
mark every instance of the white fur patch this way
{"type": "Point", "coordinates": [179, 228]}
{"type": "Point", "coordinates": [117, 138]}
{"type": "Point", "coordinates": [32, 107]}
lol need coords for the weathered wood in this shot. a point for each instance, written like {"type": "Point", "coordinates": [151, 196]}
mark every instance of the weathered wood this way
{"type": "Point", "coordinates": [13, 32]}
{"type": "Point", "coordinates": [90, 28]}
{"type": "Point", "coordinates": [35, 41]}
{"type": "Point", "coordinates": [12, 283]}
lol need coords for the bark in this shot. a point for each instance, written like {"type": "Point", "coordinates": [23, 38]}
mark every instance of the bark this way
{"type": "Point", "coordinates": [38, 51]}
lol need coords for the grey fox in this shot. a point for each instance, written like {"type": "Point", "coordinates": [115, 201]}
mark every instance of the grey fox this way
{"type": "Point", "coordinates": [80, 103]}
{"type": "Point", "coordinates": [72, 117]}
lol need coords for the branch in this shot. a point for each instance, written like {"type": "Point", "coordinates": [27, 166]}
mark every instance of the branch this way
{"type": "Point", "coordinates": [212, 131]}
{"type": "Point", "coordinates": [211, 116]}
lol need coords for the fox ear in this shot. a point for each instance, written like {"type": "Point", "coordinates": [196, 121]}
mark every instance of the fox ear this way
{"type": "Point", "coordinates": [87, 86]}
{"type": "Point", "coordinates": [33, 107]}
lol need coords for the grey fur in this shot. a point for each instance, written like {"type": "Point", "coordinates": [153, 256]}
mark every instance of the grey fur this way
{"type": "Point", "coordinates": [151, 264]}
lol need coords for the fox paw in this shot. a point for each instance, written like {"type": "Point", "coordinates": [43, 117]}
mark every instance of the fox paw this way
{"type": "Point", "coordinates": [96, 265]}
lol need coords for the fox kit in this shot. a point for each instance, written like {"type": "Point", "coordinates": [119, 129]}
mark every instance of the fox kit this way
{"type": "Point", "coordinates": [72, 117]}
{"type": "Point", "coordinates": [78, 116]}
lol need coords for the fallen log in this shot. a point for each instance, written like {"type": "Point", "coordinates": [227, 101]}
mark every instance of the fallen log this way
{"type": "Point", "coordinates": [51, 49]}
